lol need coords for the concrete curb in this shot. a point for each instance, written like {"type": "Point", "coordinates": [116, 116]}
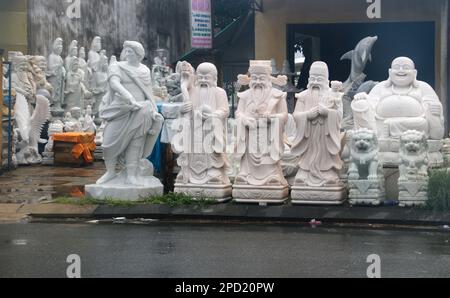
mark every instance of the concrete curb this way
{"type": "Point", "coordinates": [285, 213]}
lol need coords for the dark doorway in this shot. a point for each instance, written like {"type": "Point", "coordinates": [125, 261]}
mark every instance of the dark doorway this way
{"type": "Point", "coordinates": [328, 42]}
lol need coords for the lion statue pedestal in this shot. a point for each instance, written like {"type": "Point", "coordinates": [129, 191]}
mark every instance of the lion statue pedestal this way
{"type": "Point", "coordinates": [413, 181]}
{"type": "Point", "coordinates": [365, 175]}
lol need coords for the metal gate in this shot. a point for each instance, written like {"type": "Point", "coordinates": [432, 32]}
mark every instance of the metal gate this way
{"type": "Point", "coordinates": [6, 118]}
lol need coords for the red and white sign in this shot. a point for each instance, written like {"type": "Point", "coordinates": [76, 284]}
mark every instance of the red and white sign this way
{"type": "Point", "coordinates": [201, 24]}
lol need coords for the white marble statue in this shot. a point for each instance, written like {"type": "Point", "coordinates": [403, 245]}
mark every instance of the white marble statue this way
{"type": "Point", "coordinates": [400, 104]}
{"type": "Point", "coordinates": [262, 114]}
{"type": "Point", "coordinates": [94, 60]}
{"type": "Point", "coordinates": [290, 161]}
{"type": "Point", "coordinates": [72, 120]}
{"type": "Point", "coordinates": [318, 142]}
{"type": "Point", "coordinates": [413, 180]}
{"type": "Point", "coordinates": [21, 78]}
{"type": "Point", "coordinates": [365, 175]}
{"type": "Point", "coordinates": [132, 128]}
{"type": "Point", "coordinates": [88, 121]}
{"type": "Point", "coordinates": [56, 76]}
{"type": "Point", "coordinates": [72, 53]}
{"type": "Point", "coordinates": [75, 91]}
{"type": "Point", "coordinates": [30, 127]}
{"type": "Point", "coordinates": [100, 84]}
{"type": "Point", "coordinates": [39, 69]}
{"type": "Point", "coordinates": [83, 65]}
{"type": "Point", "coordinates": [359, 58]}
{"type": "Point", "coordinates": [204, 167]}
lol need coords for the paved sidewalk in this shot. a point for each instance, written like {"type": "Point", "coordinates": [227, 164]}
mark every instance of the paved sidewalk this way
{"type": "Point", "coordinates": [231, 212]}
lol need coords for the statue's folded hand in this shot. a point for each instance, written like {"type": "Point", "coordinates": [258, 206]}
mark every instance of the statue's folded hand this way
{"type": "Point", "coordinates": [187, 108]}
{"type": "Point", "coordinates": [434, 108]}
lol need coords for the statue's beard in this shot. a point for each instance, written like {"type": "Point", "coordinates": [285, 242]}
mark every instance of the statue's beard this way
{"type": "Point", "coordinates": [205, 93]}
{"type": "Point", "coordinates": [260, 91]}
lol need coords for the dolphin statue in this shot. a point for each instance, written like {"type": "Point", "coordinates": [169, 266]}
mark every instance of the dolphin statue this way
{"type": "Point", "coordinates": [360, 56]}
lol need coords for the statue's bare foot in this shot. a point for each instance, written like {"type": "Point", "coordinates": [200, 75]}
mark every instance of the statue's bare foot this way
{"type": "Point", "coordinates": [241, 180]}
{"type": "Point", "coordinates": [106, 178]}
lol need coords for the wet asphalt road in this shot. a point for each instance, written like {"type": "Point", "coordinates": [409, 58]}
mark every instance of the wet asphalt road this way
{"type": "Point", "coordinates": [182, 250]}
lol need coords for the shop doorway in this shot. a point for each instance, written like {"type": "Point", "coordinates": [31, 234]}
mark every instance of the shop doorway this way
{"type": "Point", "coordinates": [328, 42]}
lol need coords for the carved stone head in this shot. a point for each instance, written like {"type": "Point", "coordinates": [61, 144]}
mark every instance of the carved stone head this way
{"type": "Point", "coordinates": [206, 75]}
{"type": "Point", "coordinates": [413, 142]}
{"type": "Point", "coordinates": [133, 51]}
{"type": "Point", "coordinates": [82, 53]}
{"type": "Point", "coordinates": [363, 141]}
{"type": "Point", "coordinates": [58, 46]}
{"type": "Point", "coordinates": [73, 48]}
{"type": "Point", "coordinates": [96, 44]}
{"type": "Point", "coordinates": [319, 76]}
{"type": "Point", "coordinates": [403, 72]}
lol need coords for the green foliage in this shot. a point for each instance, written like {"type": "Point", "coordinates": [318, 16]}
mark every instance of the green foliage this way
{"type": "Point", "coordinates": [170, 199]}
{"type": "Point", "coordinates": [175, 199]}
{"type": "Point", "coordinates": [439, 190]}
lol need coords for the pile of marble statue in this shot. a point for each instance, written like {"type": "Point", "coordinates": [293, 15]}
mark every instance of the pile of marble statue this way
{"type": "Point", "coordinates": [365, 141]}
{"type": "Point", "coordinates": [66, 94]}
{"type": "Point", "coordinates": [368, 142]}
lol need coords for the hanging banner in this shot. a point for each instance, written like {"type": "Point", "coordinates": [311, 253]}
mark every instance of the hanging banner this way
{"type": "Point", "coordinates": [201, 24]}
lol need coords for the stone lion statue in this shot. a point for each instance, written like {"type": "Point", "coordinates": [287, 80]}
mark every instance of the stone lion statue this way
{"type": "Point", "coordinates": [364, 162]}
{"type": "Point", "coordinates": [413, 155]}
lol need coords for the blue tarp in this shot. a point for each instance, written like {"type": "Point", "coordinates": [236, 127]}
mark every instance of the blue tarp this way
{"type": "Point", "coordinates": [158, 152]}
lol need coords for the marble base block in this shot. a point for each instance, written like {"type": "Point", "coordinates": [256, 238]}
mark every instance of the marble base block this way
{"type": "Point", "coordinates": [219, 193]}
{"type": "Point", "coordinates": [414, 193]}
{"type": "Point", "coordinates": [260, 194]}
{"type": "Point", "coordinates": [326, 195]}
{"type": "Point", "coordinates": [367, 192]}
{"type": "Point", "coordinates": [116, 189]}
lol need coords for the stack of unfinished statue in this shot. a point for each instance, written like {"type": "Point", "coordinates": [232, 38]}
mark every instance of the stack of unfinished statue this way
{"type": "Point", "coordinates": [365, 176]}
{"type": "Point", "coordinates": [400, 104]}
{"type": "Point", "coordinates": [262, 114]}
{"type": "Point", "coordinates": [132, 128]}
{"type": "Point", "coordinates": [202, 140]}
{"type": "Point", "coordinates": [31, 108]}
{"type": "Point", "coordinates": [56, 76]}
{"type": "Point", "coordinates": [318, 116]}
{"type": "Point", "coordinates": [413, 181]}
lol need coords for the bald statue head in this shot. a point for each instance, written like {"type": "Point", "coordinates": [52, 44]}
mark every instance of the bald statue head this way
{"type": "Point", "coordinates": [319, 76]}
{"type": "Point", "coordinates": [403, 72]}
{"type": "Point", "coordinates": [206, 75]}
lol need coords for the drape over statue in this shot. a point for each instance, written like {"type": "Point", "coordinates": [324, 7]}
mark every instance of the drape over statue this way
{"type": "Point", "coordinates": [132, 128]}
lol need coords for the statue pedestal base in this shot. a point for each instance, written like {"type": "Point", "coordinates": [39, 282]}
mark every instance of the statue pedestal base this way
{"type": "Point", "coordinates": [260, 194]}
{"type": "Point", "coordinates": [413, 193]}
{"type": "Point", "coordinates": [367, 192]}
{"type": "Point", "coordinates": [219, 193]}
{"type": "Point", "coordinates": [116, 189]}
{"type": "Point", "coordinates": [326, 195]}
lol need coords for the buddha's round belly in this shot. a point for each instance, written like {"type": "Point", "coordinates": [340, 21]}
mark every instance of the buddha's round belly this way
{"type": "Point", "coordinates": [399, 106]}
